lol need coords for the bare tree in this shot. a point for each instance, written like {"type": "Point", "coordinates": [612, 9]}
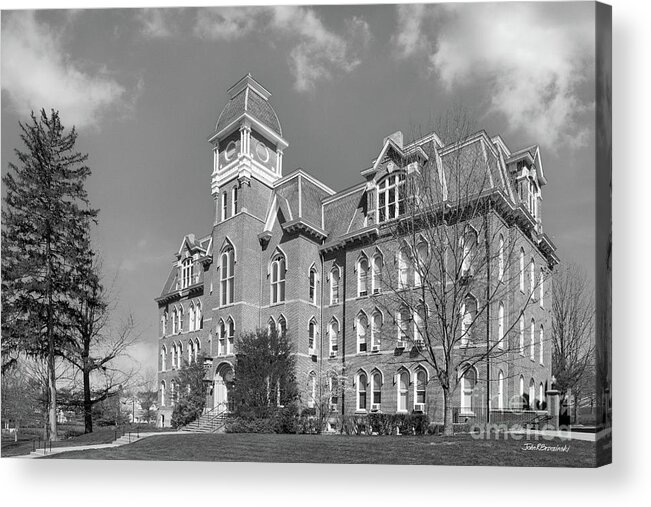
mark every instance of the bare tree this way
{"type": "Point", "coordinates": [455, 235]}
{"type": "Point", "coordinates": [325, 392]}
{"type": "Point", "coordinates": [573, 313]}
{"type": "Point", "coordinates": [99, 351]}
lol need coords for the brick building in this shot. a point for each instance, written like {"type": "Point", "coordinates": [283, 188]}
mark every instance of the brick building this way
{"type": "Point", "coordinates": [288, 251]}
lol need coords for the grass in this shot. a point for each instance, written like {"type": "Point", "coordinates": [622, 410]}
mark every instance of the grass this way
{"type": "Point", "coordinates": [408, 450]}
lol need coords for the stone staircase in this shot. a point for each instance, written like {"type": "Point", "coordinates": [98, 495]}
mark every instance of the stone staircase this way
{"type": "Point", "coordinates": [209, 422]}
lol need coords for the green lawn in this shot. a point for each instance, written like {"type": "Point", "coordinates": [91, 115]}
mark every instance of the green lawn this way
{"type": "Point", "coordinates": [409, 450]}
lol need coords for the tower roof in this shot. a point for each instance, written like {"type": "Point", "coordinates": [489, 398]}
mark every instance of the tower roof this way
{"type": "Point", "coordinates": [250, 97]}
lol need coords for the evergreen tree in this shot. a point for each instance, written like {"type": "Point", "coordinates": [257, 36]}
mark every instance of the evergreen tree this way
{"type": "Point", "coordinates": [45, 249]}
{"type": "Point", "coordinates": [191, 393]}
{"type": "Point", "coordinates": [265, 373]}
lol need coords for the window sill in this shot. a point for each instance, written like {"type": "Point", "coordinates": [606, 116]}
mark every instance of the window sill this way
{"type": "Point", "coordinates": [278, 303]}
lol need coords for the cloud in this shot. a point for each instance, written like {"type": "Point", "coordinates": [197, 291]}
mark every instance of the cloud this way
{"type": "Point", "coordinates": [317, 53]}
{"type": "Point", "coordinates": [38, 73]}
{"type": "Point", "coordinates": [155, 23]}
{"type": "Point", "coordinates": [532, 59]}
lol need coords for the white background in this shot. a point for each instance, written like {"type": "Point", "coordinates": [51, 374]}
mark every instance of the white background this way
{"type": "Point", "coordinates": [61, 482]}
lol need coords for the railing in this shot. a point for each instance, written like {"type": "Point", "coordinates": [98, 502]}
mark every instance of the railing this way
{"type": "Point", "coordinates": [522, 417]}
{"type": "Point", "coordinates": [211, 420]}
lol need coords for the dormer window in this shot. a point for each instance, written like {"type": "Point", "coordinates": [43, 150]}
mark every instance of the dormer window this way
{"type": "Point", "coordinates": [391, 198]}
{"type": "Point", "coordinates": [187, 272]}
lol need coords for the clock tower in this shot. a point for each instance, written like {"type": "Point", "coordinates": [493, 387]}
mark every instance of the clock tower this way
{"type": "Point", "coordinates": [247, 146]}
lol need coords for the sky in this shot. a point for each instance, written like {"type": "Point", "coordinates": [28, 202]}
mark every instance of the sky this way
{"type": "Point", "coordinates": [144, 88]}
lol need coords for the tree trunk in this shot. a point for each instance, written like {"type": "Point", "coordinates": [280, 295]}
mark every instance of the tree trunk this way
{"type": "Point", "coordinates": [448, 427]}
{"type": "Point", "coordinates": [88, 404]}
{"type": "Point", "coordinates": [52, 388]}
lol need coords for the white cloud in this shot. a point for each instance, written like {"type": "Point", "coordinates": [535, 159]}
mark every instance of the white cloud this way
{"type": "Point", "coordinates": [317, 53]}
{"type": "Point", "coordinates": [531, 58]}
{"type": "Point", "coordinates": [37, 73]}
{"type": "Point", "coordinates": [228, 23]}
{"type": "Point", "coordinates": [155, 23]}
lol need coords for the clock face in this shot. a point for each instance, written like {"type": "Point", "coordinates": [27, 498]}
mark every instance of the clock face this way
{"type": "Point", "coordinates": [261, 151]}
{"type": "Point", "coordinates": [231, 149]}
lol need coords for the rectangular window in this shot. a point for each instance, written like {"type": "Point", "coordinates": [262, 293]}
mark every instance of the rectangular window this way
{"type": "Point", "coordinates": [224, 205]}
{"type": "Point", "coordinates": [235, 196]}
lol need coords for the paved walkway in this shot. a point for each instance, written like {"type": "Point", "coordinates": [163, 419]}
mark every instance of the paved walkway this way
{"type": "Point", "coordinates": [119, 442]}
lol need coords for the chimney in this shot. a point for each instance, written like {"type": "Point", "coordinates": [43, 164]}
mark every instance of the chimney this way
{"type": "Point", "coordinates": [396, 137]}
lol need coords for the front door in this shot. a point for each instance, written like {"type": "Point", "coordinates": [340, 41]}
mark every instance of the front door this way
{"type": "Point", "coordinates": [221, 393]}
{"type": "Point", "coordinates": [223, 382]}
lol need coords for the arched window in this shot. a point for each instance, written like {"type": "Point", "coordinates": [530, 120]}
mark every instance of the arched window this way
{"type": "Point", "coordinates": [271, 325]}
{"type": "Point", "coordinates": [403, 325]}
{"type": "Point", "coordinates": [334, 285]}
{"type": "Point", "coordinates": [278, 279]}
{"type": "Point", "coordinates": [500, 390]}
{"type": "Point", "coordinates": [311, 389]}
{"type": "Point", "coordinates": [179, 356]}
{"type": "Point", "coordinates": [227, 275]}
{"type": "Point", "coordinates": [468, 383]}
{"type": "Point", "coordinates": [230, 335]}
{"type": "Point", "coordinates": [190, 351]}
{"type": "Point", "coordinates": [163, 358]}
{"type": "Point", "coordinates": [311, 336]}
{"type": "Point", "coordinates": [522, 335]}
{"type": "Point", "coordinates": [191, 321]}
{"type": "Point", "coordinates": [282, 325]}
{"type": "Point", "coordinates": [541, 288]}
{"type": "Point", "coordinates": [362, 324]}
{"type": "Point", "coordinates": [224, 205]}
{"type": "Point", "coordinates": [391, 198]}
{"type": "Point", "coordinates": [541, 341]}
{"type": "Point", "coordinates": [173, 393]}
{"type": "Point", "coordinates": [376, 387]}
{"type": "Point", "coordinates": [500, 326]}
{"type": "Point", "coordinates": [333, 385]}
{"type": "Point", "coordinates": [532, 277]}
{"type": "Point", "coordinates": [419, 325]}
{"type": "Point", "coordinates": [376, 326]}
{"type": "Point", "coordinates": [312, 294]}
{"type": "Point", "coordinates": [469, 243]}
{"type": "Point", "coordinates": [362, 382]}
{"type": "Point", "coordinates": [197, 349]}
{"type": "Point", "coordinates": [187, 272]}
{"type": "Point", "coordinates": [469, 312]}
{"type": "Point", "coordinates": [333, 335]}
{"type": "Point", "coordinates": [174, 321]}
{"type": "Point", "coordinates": [403, 391]}
{"type": "Point", "coordinates": [532, 340]}
{"type": "Point", "coordinates": [180, 319]}
{"type": "Point", "coordinates": [532, 394]}
{"type": "Point", "coordinates": [522, 269]}
{"type": "Point", "coordinates": [421, 264]}
{"type": "Point", "coordinates": [376, 273]}
{"type": "Point", "coordinates": [221, 331]}
{"type": "Point", "coordinates": [198, 317]}
{"type": "Point", "coordinates": [235, 200]}
{"type": "Point", "coordinates": [403, 268]}
{"type": "Point", "coordinates": [362, 276]}
{"type": "Point", "coordinates": [500, 259]}
{"type": "Point", "coordinates": [523, 400]}
{"type": "Point", "coordinates": [163, 401]}
{"type": "Point", "coordinates": [173, 356]}
{"type": "Point", "coordinates": [420, 390]}
{"type": "Point", "coordinates": [163, 322]}
{"type": "Point", "coordinates": [541, 397]}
